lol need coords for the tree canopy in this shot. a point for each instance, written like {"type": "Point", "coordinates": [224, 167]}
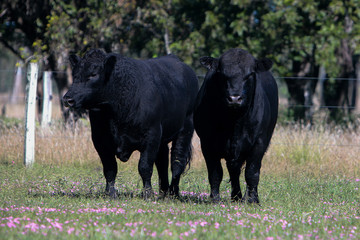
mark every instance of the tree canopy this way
{"type": "Point", "coordinates": [299, 36]}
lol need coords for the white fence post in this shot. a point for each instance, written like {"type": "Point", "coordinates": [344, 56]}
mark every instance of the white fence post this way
{"type": "Point", "coordinates": [17, 88]}
{"type": "Point", "coordinates": [47, 97]}
{"type": "Point", "coordinates": [29, 146]}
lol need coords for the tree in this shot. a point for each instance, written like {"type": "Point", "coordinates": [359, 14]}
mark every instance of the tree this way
{"type": "Point", "coordinates": [340, 36]}
{"type": "Point", "coordinates": [302, 36]}
{"type": "Point", "coordinates": [48, 30]}
{"type": "Point", "coordinates": [299, 36]}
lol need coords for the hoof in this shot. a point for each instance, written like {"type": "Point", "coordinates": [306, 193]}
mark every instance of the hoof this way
{"type": "Point", "coordinates": [215, 199]}
{"type": "Point", "coordinates": [111, 193]}
{"type": "Point", "coordinates": [162, 195]}
{"type": "Point", "coordinates": [174, 194]}
{"type": "Point", "coordinates": [110, 189]}
{"type": "Point", "coordinates": [147, 194]}
{"type": "Point", "coordinates": [236, 198]}
{"type": "Point", "coordinates": [250, 201]}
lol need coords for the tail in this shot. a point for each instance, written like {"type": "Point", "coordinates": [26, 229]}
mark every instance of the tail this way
{"type": "Point", "coordinates": [188, 158]}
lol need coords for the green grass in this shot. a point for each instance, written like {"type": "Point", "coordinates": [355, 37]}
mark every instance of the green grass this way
{"type": "Point", "coordinates": [67, 202]}
{"type": "Point", "coordinates": [309, 189]}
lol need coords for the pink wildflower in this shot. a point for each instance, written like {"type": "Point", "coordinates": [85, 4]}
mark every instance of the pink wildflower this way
{"type": "Point", "coordinates": [70, 230]}
{"type": "Point", "coordinates": [11, 224]}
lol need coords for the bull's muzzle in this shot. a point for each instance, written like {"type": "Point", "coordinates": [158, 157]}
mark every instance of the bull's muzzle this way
{"type": "Point", "coordinates": [68, 101]}
{"type": "Point", "coordinates": [235, 100]}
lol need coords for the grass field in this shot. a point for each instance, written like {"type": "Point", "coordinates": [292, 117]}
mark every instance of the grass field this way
{"type": "Point", "coordinates": [309, 189]}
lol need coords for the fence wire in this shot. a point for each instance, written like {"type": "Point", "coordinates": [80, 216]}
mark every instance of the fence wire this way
{"type": "Point", "coordinates": [4, 99]}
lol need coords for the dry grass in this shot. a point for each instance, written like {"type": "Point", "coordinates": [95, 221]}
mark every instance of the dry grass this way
{"type": "Point", "coordinates": [318, 152]}
{"type": "Point", "coordinates": [18, 110]}
{"type": "Point", "coordinates": [295, 150]}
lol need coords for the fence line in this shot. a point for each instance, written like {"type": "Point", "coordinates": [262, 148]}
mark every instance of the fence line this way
{"type": "Point", "coordinates": [272, 143]}
{"type": "Point", "coordinates": [202, 76]}
{"type": "Point", "coordinates": [280, 104]}
{"type": "Point", "coordinates": [316, 144]}
{"type": "Point", "coordinates": [40, 136]}
{"type": "Point", "coordinates": [286, 105]}
{"type": "Point", "coordinates": [317, 78]}
{"type": "Point", "coordinates": [321, 106]}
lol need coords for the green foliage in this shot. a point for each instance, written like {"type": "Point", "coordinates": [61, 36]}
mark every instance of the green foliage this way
{"type": "Point", "coordinates": [299, 36]}
{"type": "Point", "coordinates": [7, 123]}
{"type": "Point", "coordinates": [286, 31]}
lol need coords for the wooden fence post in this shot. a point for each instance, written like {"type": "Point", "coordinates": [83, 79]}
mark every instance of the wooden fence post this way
{"type": "Point", "coordinates": [47, 97]}
{"type": "Point", "coordinates": [29, 146]}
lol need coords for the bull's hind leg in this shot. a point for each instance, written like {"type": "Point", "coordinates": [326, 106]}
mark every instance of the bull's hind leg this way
{"type": "Point", "coordinates": [147, 160]}
{"type": "Point", "coordinates": [252, 172]}
{"type": "Point", "coordinates": [181, 155]}
{"type": "Point", "coordinates": [162, 165]}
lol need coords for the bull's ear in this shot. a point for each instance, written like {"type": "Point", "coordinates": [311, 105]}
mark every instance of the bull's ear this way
{"type": "Point", "coordinates": [263, 65]}
{"type": "Point", "coordinates": [209, 62]}
{"type": "Point", "coordinates": [74, 59]}
{"type": "Point", "coordinates": [109, 64]}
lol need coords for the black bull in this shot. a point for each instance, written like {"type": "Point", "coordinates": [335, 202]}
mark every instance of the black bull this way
{"type": "Point", "coordinates": [236, 112]}
{"type": "Point", "coordinates": [137, 105]}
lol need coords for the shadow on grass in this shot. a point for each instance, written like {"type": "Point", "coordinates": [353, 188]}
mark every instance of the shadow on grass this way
{"type": "Point", "coordinates": [198, 198]}
{"type": "Point", "coordinates": [84, 195]}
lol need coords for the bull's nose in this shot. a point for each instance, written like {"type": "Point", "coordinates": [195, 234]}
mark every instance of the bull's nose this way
{"type": "Point", "coordinates": [68, 102]}
{"type": "Point", "coordinates": [235, 99]}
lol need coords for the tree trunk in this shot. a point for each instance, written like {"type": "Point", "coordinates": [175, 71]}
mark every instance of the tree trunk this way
{"type": "Point", "coordinates": [340, 95]}
{"type": "Point", "coordinates": [166, 40]}
{"type": "Point", "coordinates": [301, 90]}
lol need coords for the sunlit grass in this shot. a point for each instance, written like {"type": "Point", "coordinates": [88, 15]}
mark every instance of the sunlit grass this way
{"type": "Point", "coordinates": [67, 202]}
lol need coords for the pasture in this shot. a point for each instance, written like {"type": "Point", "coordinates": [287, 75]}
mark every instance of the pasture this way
{"type": "Point", "coordinates": [309, 189]}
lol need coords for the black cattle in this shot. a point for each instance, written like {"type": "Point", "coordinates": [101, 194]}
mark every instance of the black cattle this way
{"type": "Point", "coordinates": [137, 105]}
{"type": "Point", "coordinates": [235, 115]}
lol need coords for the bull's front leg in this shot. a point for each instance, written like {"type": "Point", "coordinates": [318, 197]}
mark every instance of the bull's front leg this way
{"type": "Point", "coordinates": [234, 168]}
{"type": "Point", "coordinates": [252, 176]}
{"type": "Point", "coordinates": [110, 170]}
{"type": "Point", "coordinates": [105, 146]}
{"type": "Point", "coordinates": [215, 171]}
{"type": "Point", "coordinates": [252, 173]}
{"type": "Point", "coordinates": [147, 160]}
{"type": "Point", "coordinates": [215, 175]}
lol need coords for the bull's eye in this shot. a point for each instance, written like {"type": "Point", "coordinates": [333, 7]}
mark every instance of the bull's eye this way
{"type": "Point", "coordinates": [249, 76]}
{"type": "Point", "coordinates": [92, 76]}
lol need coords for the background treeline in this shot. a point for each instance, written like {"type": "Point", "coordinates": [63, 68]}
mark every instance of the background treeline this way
{"type": "Point", "coordinates": [312, 43]}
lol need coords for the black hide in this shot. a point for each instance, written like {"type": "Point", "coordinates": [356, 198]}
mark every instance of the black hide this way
{"type": "Point", "coordinates": [137, 105]}
{"type": "Point", "coordinates": [235, 115]}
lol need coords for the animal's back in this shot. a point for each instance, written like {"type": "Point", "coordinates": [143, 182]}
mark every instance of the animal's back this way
{"type": "Point", "coordinates": [174, 87]}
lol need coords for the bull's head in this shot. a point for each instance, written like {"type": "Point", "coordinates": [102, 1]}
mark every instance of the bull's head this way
{"type": "Point", "coordinates": [237, 70]}
{"type": "Point", "coordinates": [90, 75]}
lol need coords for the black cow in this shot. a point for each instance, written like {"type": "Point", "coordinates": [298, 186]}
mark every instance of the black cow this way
{"type": "Point", "coordinates": [235, 116]}
{"type": "Point", "coordinates": [137, 105]}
